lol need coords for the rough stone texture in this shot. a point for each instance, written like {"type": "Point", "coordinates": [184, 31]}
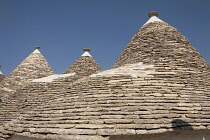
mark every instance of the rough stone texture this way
{"type": "Point", "coordinates": [33, 67]}
{"type": "Point", "coordinates": [162, 88]}
{"type": "Point", "coordinates": [1, 76]}
{"type": "Point", "coordinates": [159, 43]}
{"type": "Point", "coordinates": [30, 96]}
{"type": "Point", "coordinates": [119, 105]}
{"type": "Point", "coordinates": [84, 66]}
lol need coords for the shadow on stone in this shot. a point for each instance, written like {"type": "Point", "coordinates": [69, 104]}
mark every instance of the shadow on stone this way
{"type": "Point", "coordinates": [178, 124]}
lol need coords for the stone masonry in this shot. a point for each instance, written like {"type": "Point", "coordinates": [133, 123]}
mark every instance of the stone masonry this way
{"type": "Point", "coordinates": [33, 67]}
{"type": "Point", "coordinates": [84, 65]}
{"type": "Point", "coordinates": [158, 90]}
{"type": "Point", "coordinates": [159, 43]}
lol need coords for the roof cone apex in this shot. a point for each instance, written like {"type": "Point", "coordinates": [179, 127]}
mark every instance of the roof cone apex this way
{"type": "Point", "coordinates": [37, 49]}
{"type": "Point", "coordinates": [86, 52]}
{"type": "Point", "coordinates": [153, 17]}
{"type": "Point", "coordinates": [85, 65]}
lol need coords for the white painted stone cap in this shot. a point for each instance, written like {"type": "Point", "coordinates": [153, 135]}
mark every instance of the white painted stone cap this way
{"type": "Point", "coordinates": [37, 49]}
{"type": "Point", "coordinates": [153, 17]}
{"type": "Point", "coordinates": [86, 52]}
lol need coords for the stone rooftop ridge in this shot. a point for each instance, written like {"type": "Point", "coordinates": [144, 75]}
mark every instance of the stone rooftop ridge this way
{"type": "Point", "coordinates": [157, 42]}
{"type": "Point", "coordinates": [85, 65]}
{"type": "Point", "coordinates": [33, 67]}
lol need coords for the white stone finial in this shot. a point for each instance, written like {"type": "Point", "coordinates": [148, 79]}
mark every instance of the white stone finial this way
{"type": "Point", "coordinates": [37, 49]}
{"type": "Point", "coordinates": [86, 53]}
{"type": "Point", "coordinates": [153, 17]}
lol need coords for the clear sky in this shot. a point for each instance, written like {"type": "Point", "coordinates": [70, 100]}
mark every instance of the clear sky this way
{"type": "Point", "coordinates": [62, 28]}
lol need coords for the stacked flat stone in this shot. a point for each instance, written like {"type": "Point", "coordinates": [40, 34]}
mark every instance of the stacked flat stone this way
{"type": "Point", "coordinates": [84, 65]}
{"type": "Point", "coordinates": [158, 43]}
{"type": "Point", "coordinates": [30, 96]}
{"type": "Point", "coordinates": [156, 95]}
{"type": "Point", "coordinates": [33, 67]}
{"type": "Point", "coordinates": [36, 90]}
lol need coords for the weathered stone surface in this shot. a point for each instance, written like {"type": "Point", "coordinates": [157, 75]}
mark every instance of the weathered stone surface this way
{"type": "Point", "coordinates": [1, 76]}
{"type": "Point", "coordinates": [156, 86]}
{"type": "Point", "coordinates": [159, 43]}
{"type": "Point", "coordinates": [33, 67]}
{"type": "Point", "coordinates": [84, 66]}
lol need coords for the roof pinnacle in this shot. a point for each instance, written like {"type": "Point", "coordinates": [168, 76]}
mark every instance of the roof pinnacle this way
{"type": "Point", "coordinates": [37, 47]}
{"type": "Point", "coordinates": [153, 17]}
{"type": "Point", "coordinates": [86, 49]}
{"type": "Point", "coordinates": [86, 52]}
{"type": "Point", "coordinates": [153, 13]}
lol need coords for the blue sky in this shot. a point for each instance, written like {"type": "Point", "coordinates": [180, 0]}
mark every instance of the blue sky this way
{"type": "Point", "coordinates": [62, 28]}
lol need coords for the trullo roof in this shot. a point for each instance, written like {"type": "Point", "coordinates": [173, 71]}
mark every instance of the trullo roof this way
{"type": "Point", "coordinates": [33, 67]}
{"type": "Point", "coordinates": [84, 65]}
{"type": "Point", "coordinates": [157, 43]}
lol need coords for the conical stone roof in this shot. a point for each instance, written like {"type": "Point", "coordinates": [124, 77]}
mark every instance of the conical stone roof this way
{"type": "Point", "coordinates": [157, 42]}
{"type": "Point", "coordinates": [33, 67]}
{"type": "Point", "coordinates": [84, 65]}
